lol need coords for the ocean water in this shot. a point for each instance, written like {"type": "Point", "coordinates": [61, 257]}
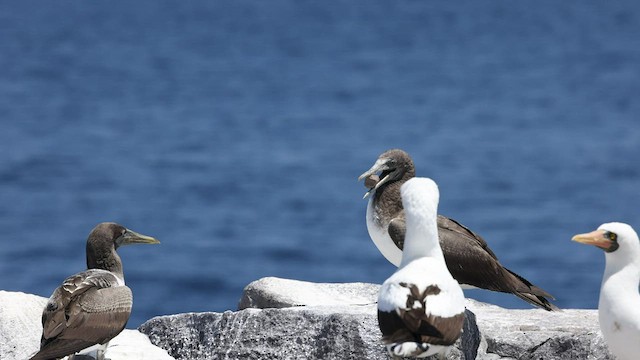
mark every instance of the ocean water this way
{"type": "Point", "coordinates": [234, 132]}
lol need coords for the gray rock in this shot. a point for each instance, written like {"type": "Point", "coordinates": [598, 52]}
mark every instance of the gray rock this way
{"type": "Point", "coordinates": [303, 332]}
{"type": "Point", "coordinates": [21, 328]}
{"type": "Point", "coordinates": [538, 334]}
{"type": "Point", "coordinates": [318, 332]}
{"type": "Point", "coordinates": [272, 292]}
{"type": "Point", "coordinates": [340, 330]}
{"type": "Point", "coordinates": [301, 320]}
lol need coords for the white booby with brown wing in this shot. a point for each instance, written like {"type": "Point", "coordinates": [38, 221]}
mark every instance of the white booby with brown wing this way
{"type": "Point", "coordinates": [468, 257]}
{"type": "Point", "coordinates": [93, 306]}
{"type": "Point", "coordinates": [421, 306]}
{"type": "Point", "coordinates": [619, 305]}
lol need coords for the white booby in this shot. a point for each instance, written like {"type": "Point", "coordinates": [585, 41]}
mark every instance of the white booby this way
{"type": "Point", "coordinates": [421, 306]}
{"type": "Point", "coordinates": [93, 306]}
{"type": "Point", "coordinates": [468, 257]}
{"type": "Point", "coordinates": [619, 305]}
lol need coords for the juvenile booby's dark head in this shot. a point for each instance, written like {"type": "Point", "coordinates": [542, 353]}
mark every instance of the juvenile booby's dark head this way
{"type": "Point", "coordinates": [393, 165]}
{"type": "Point", "coordinates": [109, 233]}
{"type": "Point", "coordinates": [105, 238]}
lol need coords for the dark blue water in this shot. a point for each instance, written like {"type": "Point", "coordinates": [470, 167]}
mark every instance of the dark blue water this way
{"type": "Point", "coordinates": [234, 132]}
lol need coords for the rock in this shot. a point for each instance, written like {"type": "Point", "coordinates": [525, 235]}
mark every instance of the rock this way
{"type": "Point", "coordinates": [288, 319]}
{"type": "Point", "coordinates": [315, 332]}
{"type": "Point", "coordinates": [20, 324]}
{"type": "Point", "coordinates": [308, 332]}
{"type": "Point", "coordinates": [21, 328]}
{"type": "Point", "coordinates": [272, 292]}
{"type": "Point", "coordinates": [537, 334]}
{"type": "Point", "coordinates": [323, 323]}
{"type": "Point", "coordinates": [129, 344]}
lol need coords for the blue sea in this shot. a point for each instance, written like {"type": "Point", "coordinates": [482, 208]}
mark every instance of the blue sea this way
{"type": "Point", "coordinates": [234, 132]}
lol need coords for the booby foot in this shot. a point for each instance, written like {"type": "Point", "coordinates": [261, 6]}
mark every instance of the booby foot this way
{"type": "Point", "coordinates": [408, 349]}
{"type": "Point", "coordinates": [417, 349]}
{"type": "Point", "coordinates": [100, 352]}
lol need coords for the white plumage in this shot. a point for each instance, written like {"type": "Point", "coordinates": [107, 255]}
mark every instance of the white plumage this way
{"type": "Point", "coordinates": [619, 304]}
{"type": "Point", "coordinates": [421, 300]}
{"type": "Point", "coordinates": [380, 236]}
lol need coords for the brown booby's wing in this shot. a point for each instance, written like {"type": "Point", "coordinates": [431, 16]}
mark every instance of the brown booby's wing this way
{"type": "Point", "coordinates": [470, 261]}
{"type": "Point", "coordinates": [89, 308]}
{"type": "Point", "coordinates": [451, 226]}
{"type": "Point", "coordinates": [467, 255]}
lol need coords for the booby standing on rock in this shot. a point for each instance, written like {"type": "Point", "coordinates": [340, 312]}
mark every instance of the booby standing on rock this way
{"type": "Point", "coordinates": [468, 257]}
{"type": "Point", "coordinates": [93, 306]}
{"type": "Point", "coordinates": [421, 306]}
{"type": "Point", "coordinates": [619, 305]}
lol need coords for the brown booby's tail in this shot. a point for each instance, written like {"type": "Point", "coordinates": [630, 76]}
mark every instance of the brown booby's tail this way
{"type": "Point", "coordinates": [535, 295]}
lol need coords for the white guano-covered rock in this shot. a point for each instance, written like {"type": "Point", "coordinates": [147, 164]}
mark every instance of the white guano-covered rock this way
{"type": "Point", "coordinates": [272, 292]}
{"type": "Point", "coordinates": [20, 324]}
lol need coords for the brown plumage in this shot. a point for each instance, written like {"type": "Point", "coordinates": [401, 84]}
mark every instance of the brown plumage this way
{"type": "Point", "coordinates": [467, 255]}
{"type": "Point", "coordinates": [93, 306]}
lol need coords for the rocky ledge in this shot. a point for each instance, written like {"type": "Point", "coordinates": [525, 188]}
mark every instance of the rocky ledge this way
{"type": "Point", "coordinates": [288, 319]}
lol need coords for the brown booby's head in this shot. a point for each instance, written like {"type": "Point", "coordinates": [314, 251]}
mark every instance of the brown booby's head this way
{"type": "Point", "coordinates": [111, 233]}
{"type": "Point", "coordinates": [393, 165]}
{"type": "Point", "coordinates": [105, 238]}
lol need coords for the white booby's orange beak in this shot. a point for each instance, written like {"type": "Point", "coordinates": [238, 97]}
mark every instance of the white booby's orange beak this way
{"type": "Point", "coordinates": [597, 238]}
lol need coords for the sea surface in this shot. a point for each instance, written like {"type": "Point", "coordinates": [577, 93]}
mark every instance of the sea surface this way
{"type": "Point", "coordinates": [234, 132]}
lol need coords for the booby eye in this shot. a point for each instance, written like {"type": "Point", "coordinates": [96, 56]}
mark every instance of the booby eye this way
{"type": "Point", "coordinates": [614, 241]}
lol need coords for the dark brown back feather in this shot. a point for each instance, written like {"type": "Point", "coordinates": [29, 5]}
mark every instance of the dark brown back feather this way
{"type": "Point", "coordinates": [58, 348]}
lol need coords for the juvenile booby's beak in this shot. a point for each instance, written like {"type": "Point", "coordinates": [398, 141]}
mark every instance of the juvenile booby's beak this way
{"type": "Point", "coordinates": [132, 237]}
{"type": "Point", "coordinates": [379, 166]}
{"type": "Point", "coordinates": [597, 238]}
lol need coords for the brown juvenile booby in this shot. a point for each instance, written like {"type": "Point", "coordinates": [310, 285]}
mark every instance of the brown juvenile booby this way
{"type": "Point", "coordinates": [468, 257]}
{"type": "Point", "coordinates": [421, 306]}
{"type": "Point", "coordinates": [619, 304]}
{"type": "Point", "coordinates": [93, 306]}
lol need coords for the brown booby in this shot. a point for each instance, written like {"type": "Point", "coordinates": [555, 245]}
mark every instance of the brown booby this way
{"type": "Point", "coordinates": [619, 304]}
{"type": "Point", "coordinates": [468, 257]}
{"type": "Point", "coordinates": [421, 306]}
{"type": "Point", "coordinates": [93, 306]}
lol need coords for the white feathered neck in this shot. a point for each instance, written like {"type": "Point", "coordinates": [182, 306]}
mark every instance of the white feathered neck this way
{"type": "Point", "coordinates": [624, 262]}
{"type": "Point", "coordinates": [420, 198]}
